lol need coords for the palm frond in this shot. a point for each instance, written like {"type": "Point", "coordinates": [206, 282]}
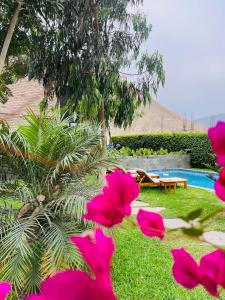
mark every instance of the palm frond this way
{"type": "Point", "coordinates": [59, 253]}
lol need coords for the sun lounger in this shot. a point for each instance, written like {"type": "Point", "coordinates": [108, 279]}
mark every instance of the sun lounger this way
{"type": "Point", "coordinates": [145, 180]}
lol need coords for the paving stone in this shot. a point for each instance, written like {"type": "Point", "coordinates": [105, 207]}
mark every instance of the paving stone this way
{"type": "Point", "coordinates": [216, 238]}
{"type": "Point", "coordinates": [151, 209]}
{"type": "Point", "coordinates": [175, 223]}
{"type": "Point", "coordinates": [139, 204]}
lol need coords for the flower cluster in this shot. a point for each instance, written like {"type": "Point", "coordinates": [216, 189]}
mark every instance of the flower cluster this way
{"type": "Point", "coordinates": [114, 203]}
{"type": "Point", "coordinates": [210, 272]}
{"type": "Point", "coordinates": [97, 250]}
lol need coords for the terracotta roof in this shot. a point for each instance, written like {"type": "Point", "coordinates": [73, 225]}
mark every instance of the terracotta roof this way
{"type": "Point", "coordinates": [25, 94]}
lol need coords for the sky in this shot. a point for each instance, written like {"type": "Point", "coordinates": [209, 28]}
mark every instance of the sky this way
{"type": "Point", "coordinates": [191, 36]}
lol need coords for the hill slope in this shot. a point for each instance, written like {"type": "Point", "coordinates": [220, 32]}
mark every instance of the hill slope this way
{"type": "Point", "coordinates": [156, 118]}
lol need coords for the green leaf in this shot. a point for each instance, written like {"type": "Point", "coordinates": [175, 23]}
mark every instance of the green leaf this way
{"type": "Point", "coordinates": [195, 232]}
{"type": "Point", "coordinates": [194, 214]}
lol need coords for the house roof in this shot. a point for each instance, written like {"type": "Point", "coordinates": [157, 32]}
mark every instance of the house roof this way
{"type": "Point", "coordinates": [25, 94]}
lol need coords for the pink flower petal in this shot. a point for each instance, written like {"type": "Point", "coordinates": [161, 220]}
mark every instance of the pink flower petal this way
{"type": "Point", "coordinates": [73, 285]}
{"type": "Point", "coordinates": [185, 269]}
{"type": "Point", "coordinates": [220, 186]}
{"type": "Point", "coordinates": [37, 297]}
{"type": "Point", "coordinates": [151, 224]}
{"type": "Point", "coordinates": [5, 289]}
{"type": "Point", "coordinates": [113, 204]}
{"type": "Point", "coordinates": [212, 270]}
{"type": "Point", "coordinates": [97, 251]}
{"type": "Point", "coordinates": [217, 137]}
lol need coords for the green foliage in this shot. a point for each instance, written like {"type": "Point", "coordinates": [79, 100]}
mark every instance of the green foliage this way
{"type": "Point", "coordinates": [126, 151]}
{"type": "Point", "coordinates": [197, 144]}
{"type": "Point", "coordinates": [51, 161]}
{"type": "Point", "coordinates": [85, 72]}
{"type": "Point", "coordinates": [13, 71]}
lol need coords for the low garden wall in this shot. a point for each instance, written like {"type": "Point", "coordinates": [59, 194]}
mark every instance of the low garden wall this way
{"type": "Point", "coordinates": [156, 162]}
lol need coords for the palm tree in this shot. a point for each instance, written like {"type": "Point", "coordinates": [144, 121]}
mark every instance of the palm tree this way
{"type": "Point", "coordinates": [50, 160]}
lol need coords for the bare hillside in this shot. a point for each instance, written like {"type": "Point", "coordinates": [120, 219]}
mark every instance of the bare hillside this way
{"type": "Point", "coordinates": [155, 118]}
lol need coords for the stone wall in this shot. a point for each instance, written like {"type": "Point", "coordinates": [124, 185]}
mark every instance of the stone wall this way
{"type": "Point", "coordinates": [156, 162]}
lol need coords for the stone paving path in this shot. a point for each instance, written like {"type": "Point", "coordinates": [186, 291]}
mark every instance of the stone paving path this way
{"type": "Point", "coordinates": [136, 205]}
{"type": "Point", "coordinates": [216, 238]}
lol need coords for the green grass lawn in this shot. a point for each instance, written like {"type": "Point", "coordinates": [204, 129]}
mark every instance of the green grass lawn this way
{"type": "Point", "coordinates": [142, 266]}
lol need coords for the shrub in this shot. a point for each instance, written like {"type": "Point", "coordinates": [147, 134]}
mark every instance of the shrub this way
{"type": "Point", "coordinates": [126, 151]}
{"type": "Point", "coordinates": [197, 144]}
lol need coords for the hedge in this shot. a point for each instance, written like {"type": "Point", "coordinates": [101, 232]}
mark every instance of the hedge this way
{"type": "Point", "coordinates": [197, 144]}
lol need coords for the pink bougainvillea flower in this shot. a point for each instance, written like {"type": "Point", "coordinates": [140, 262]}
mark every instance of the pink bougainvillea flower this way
{"type": "Point", "coordinates": [114, 203]}
{"type": "Point", "coordinates": [212, 271]}
{"type": "Point", "coordinates": [97, 250]}
{"type": "Point", "coordinates": [220, 186]}
{"type": "Point", "coordinates": [73, 285]}
{"type": "Point", "coordinates": [217, 137]}
{"type": "Point", "coordinates": [185, 269]}
{"type": "Point", "coordinates": [151, 224]}
{"type": "Point", "coordinates": [5, 289]}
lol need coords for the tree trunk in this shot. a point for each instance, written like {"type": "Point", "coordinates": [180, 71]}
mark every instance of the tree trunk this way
{"type": "Point", "coordinates": [104, 139]}
{"type": "Point", "coordinates": [103, 126]}
{"type": "Point", "coordinates": [9, 35]}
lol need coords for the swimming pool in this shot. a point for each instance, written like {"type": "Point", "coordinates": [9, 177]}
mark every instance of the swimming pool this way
{"type": "Point", "coordinates": [194, 177]}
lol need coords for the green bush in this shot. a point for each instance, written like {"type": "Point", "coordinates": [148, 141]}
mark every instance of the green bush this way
{"type": "Point", "coordinates": [126, 151]}
{"type": "Point", "coordinates": [197, 144]}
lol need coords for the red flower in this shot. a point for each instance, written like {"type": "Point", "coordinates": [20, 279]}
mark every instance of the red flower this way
{"type": "Point", "coordinates": [185, 269]}
{"type": "Point", "coordinates": [114, 203]}
{"type": "Point", "coordinates": [73, 285]}
{"type": "Point", "coordinates": [217, 137]}
{"type": "Point", "coordinates": [5, 289]}
{"type": "Point", "coordinates": [220, 186]}
{"type": "Point", "coordinates": [151, 224]}
{"type": "Point", "coordinates": [97, 251]}
{"type": "Point", "coordinates": [212, 271]}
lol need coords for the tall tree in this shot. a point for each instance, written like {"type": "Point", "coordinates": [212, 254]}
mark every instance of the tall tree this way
{"type": "Point", "coordinates": [18, 18]}
{"type": "Point", "coordinates": [81, 52]}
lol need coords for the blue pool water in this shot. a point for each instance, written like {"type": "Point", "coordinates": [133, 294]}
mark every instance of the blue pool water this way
{"type": "Point", "coordinates": [195, 178]}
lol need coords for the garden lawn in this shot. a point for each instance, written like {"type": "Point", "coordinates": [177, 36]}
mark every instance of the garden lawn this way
{"type": "Point", "coordinates": [142, 266]}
